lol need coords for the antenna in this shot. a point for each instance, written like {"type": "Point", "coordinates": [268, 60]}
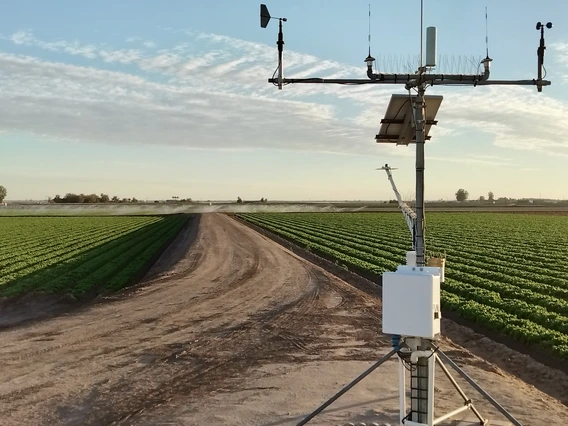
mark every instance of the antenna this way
{"type": "Point", "coordinates": [369, 29]}
{"type": "Point", "coordinates": [421, 28]}
{"type": "Point", "coordinates": [486, 36]}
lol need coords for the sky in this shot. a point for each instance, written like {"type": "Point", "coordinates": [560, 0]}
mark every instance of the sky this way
{"type": "Point", "coordinates": [160, 98]}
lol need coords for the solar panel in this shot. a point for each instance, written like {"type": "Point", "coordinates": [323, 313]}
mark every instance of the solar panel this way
{"type": "Point", "coordinates": [398, 125]}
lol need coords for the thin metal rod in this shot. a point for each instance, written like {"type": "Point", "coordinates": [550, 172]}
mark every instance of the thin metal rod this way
{"type": "Point", "coordinates": [347, 388]}
{"type": "Point", "coordinates": [493, 82]}
{"type": "Point", "coordinates": [421, 29]}
{"type": "Point", "coordinates": [280, 53]}
{"type": "Point", "coordinates": [431, 388]}
{"type": "Point", "coordinates": [369, 29]}
{"type": "Point", "coordinates": [486, 35]}
{"type": "Point", "coordinates": [405, 78]}
{"type": "Point", "coordinates": [478, 388]}
{"type": "Point", "coordinates": [458, 388]}
{"type": "Point", "coordinates": [401, 389]}
{"type": "Point", "coordinates": [451, 414]}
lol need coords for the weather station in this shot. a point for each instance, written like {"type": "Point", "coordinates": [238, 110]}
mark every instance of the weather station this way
{"type": "Point", "coordinates": [414, 322]}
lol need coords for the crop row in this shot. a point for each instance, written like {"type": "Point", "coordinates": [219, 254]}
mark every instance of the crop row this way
{"type": "Point", "coordinates": [102, 262]}
{"type": "Point", "coordinates": [496, 290]}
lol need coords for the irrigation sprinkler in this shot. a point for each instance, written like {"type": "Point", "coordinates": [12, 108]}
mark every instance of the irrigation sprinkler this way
{"type": "Point", "coordinates": [408, 120]}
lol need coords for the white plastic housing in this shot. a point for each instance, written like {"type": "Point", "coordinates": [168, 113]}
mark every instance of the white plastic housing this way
{"type": "Point", "coordinates": [431, 47]}
{"type": "Point", "coordinates": [411, 302]}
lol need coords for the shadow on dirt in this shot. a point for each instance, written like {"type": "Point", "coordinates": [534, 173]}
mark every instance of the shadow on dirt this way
{"type": "Point", "coordinates": [65, 286]}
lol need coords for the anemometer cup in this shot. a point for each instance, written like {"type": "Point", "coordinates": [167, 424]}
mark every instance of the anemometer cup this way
{"type": "Point", "coordinates": [540, 25]}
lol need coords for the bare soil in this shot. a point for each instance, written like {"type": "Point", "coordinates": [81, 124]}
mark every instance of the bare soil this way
{"type": "Point", "coordinates": [228, 328]}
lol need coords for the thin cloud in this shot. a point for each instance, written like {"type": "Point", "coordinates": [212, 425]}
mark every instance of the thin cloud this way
{"type": "Point", "coordinates": [85, 104]}
{"type": "Point", "coordinates": [216, 95]}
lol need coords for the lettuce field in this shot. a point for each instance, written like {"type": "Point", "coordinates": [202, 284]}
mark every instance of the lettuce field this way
{"type": "Point", "coordinates": [79, 255]}
{"type": "Point", "coordinates": [507, 272]}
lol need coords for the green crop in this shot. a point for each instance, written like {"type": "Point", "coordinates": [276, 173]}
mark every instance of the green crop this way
{"type": "Point", "coordinates": [79, 255]}
{"type": "Point", "coordinates": [504, 271]}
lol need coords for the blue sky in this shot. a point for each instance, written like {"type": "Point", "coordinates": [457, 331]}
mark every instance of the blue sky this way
{"type": "Point", "coordinates": [159, 98]}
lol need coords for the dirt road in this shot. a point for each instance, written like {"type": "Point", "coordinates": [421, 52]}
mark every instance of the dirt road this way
{"type": "Point", "coordinates": [232, 329]}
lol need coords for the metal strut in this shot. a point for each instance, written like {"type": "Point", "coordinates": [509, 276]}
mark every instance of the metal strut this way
{"type": "Point", "coordinates": [478, 388]}
{"type": "Point", "coordinates": [407, 212]}
{"type": "Point", "coordinates": [347, 388]}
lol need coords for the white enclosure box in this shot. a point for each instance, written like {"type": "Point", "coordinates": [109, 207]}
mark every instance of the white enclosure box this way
{"type": "Point", "coordinates": [411, 302]}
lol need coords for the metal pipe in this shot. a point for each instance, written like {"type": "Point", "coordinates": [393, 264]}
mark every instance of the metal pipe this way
{"type": "Point", "coordinates": [458, 388]}
{"type": "Point", "coordinates": [401, 390]}
{"type": "Point", "coordinates": [494, 82]}
{"type": "Point", "coordinates": [431, 389]}
{"type": "Point", "coordinates": [405, 78]}
{"type": "Point", "coordinates": [479, 389]}
{"type": "Point", "coordinates": [413, 423]}
{"type": "Point", "coordinates": [451, 414]}
{"type": "Point", "coordinates": [347, 388]}
{"type": "Point", "coordinates": [419, 122]}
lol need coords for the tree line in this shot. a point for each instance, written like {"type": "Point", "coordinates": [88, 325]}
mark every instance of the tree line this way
{"type": "Point", "coordinates": [71, 198]}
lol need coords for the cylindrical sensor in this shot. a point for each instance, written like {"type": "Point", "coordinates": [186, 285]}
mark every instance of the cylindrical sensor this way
{"type": "Point", "coordinates": [431, 47]}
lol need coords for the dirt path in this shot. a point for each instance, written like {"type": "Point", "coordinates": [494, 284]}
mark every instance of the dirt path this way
{"type": "Point", "coordinates": [238, 331]}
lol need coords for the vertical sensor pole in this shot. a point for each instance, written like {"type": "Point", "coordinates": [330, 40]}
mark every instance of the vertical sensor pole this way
{"type": "Point", "coordinates": [419, 120]}
{"type": "Point", "coordinates": [420, 410]}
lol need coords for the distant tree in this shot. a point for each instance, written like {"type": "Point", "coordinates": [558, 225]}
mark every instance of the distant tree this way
{"type": "Point", "coordinates": [3, 193]}
{"type": "Point", "coordinates": [134, 200]}
{"type": "Point", "coordinates": [490, 196]}
{"type": "Point", "coordinates": [462, 195]}
{"type": "Point", "coordinates": [481, 198]}
{"type": "Point", "coordinates": [72, 198]}
{"type": "Point", "coordinates": [104, 198]}
{"type": "Point", "coordinates": [91, 199]}
{"type": "Point", "coordinates": [115, 199]}
{"type": "Point", "coordinates": [57, 199]}
{"type": "Point", "coordinates": [239, 201]}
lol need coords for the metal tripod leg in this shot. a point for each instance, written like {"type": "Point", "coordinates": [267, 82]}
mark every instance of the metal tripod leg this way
{"type": "Point", "coordinates": [462, 373]}
{"type": "Point", "coordinates": [346, 388]}
{"type": "Point", "coordinates": [460, 391]}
